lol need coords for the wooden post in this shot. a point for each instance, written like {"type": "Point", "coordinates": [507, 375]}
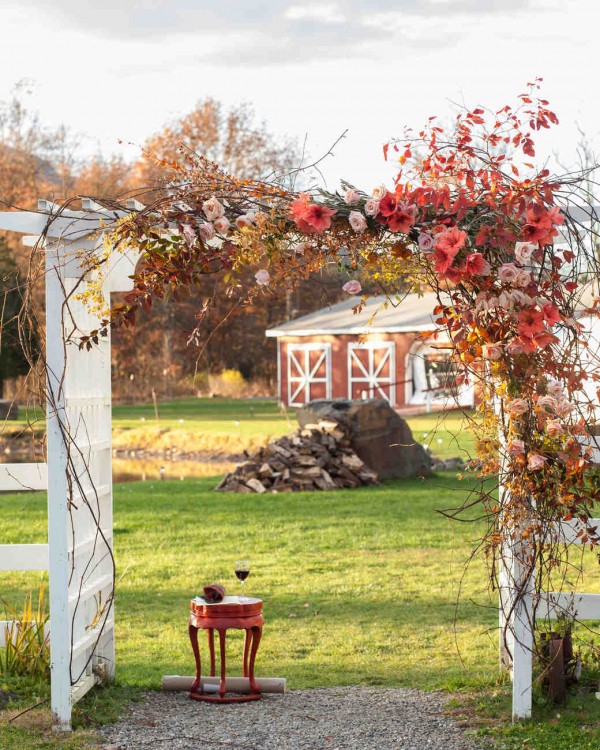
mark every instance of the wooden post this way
{"type": "Point", "coordinates": [58, 492]}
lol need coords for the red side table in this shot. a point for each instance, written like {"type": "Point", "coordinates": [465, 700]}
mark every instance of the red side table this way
{"type": "Point", "coordinates": [230, 613]}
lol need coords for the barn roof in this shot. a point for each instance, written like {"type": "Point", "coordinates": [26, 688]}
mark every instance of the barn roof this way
{"type": "Point", "coordinates": [413, 313]}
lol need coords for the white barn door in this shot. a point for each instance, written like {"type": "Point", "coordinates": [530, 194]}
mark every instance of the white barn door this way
{"type": "Point", "coordinates": [309, 372]}
{"type": "Point", "coordinates": [372, 371]}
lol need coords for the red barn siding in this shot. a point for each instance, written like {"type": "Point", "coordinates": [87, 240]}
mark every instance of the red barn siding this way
{"type": "Point", "coordinates": [339, 347]}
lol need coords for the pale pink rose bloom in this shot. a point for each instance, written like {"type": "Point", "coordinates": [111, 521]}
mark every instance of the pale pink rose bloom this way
{"type": "Point", "coordinates": [516, 447]}
{"type": "Point", "coordinates": [262, 277]}
{"type": "Point", "coordinates": [554, 427]}
{"type": "Point", "coordinates": [517, 406]}
{"type": "Point", "coordinates": [425, 242]}
{"type": "Point", "coordinates": [492, 352]}
{"type": "Point", "coordinates": [379, 192]}
{"type": "Point", "coordinates": [507, 273]}
{"type": "Point", "coordinates": [408, 208]}
{"type": "Point", "coordinates": [188, 234]}
{"type": "Point", "coordinates": [351, 197]}
{"type": "Point", "coordinates": [242, 222]}
{"type": "Point", "coordinates": [372, 207]}
{"type": "Point", "coordinates": [521, 298]}
{"type": "Point", "coordinates": [563, 408]}
{"type": "Point", "coordinates": [514, 347]}
{"type": "Point", "coordinates": [212, 209]}
{"type": "Point", "coordinates": [535, 461]}
{"type": "Point", "coordinates": [222, 225]}
{"type": "Point", "coordinates": [352, 287]}
{"type": "Point", "coordinates": [207, 231]}
{"type": "Point", "coordinates": [547, 402]}
{"type": "Point", "coordinates": [555, 388]}
{"type": "Point", "coordinates": [523, 252]}
{"type": "Point", "coordinates": [357, 221]}
{"type": "Point", "coordinates": [523, 279]}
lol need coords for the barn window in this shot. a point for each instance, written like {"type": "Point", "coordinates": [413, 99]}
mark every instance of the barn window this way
{"type": "Point", "coordinates": [437, 377]}
{"type": "Point", "coordinates": [372, 371]}
{"type": "Point", "coordinates": [309, 372]}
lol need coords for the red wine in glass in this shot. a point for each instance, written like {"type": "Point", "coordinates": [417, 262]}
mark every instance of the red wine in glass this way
{"type": "Point", "coordinates": [242, 571]}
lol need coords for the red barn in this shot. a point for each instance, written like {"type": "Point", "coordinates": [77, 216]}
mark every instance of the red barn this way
{"type": "Point", "coordinates": [381, 352]}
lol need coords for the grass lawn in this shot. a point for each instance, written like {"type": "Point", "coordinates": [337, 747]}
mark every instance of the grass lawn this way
{"type": "Point", "coordinates": [225, 426]}
{"type": "Point", "coordinates": [360, 587]}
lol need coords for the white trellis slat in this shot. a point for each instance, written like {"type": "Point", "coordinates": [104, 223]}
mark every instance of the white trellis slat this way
{"type": "Point", "coordinates": [23, 557]}
{"type": "Point", "coordinates": [23, 477]}
{"type": "Point", "coordinates": [78, 474]}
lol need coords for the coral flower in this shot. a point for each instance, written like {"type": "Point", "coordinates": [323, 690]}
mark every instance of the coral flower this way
{"type": "Point", "coordinates": [477, 265]}
{"type": "Point", "coordinates": [452, 240]}
{"type": "Point", "coordinates": [388, 204]}
{"type": "Point", "coordinates": [531, 322]}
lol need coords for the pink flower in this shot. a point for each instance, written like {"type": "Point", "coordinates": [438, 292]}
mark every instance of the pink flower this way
{"type": "Point", "coordinates": [547, 402]}
{"type": "Point", "coordinates": [213, 209]}
{"type": "Point", "coordinates": [188, 234]}
{"type": "Point", "coordinates": [351, 197]}
{"type": "Point", "coordinates": [555, 388]}
{"type": "Point", "coordinates": [563, 408]}
{"type": "Point", "coordinates": [507, 273]}
{"type": "Point", "coordinates": [352, 287]}
{"type": "Point", "coordinates": [523, 252]}
{"type": "Point", "coordinates": [222, 225]}
{"type": "Point", "coordinates": [535, 461]}
{"type": "Point", "coordinates": [242, 222]}
{"type": "Point", "coordinates": [554, 427]}
{"type": "Point", "coordinates": [517, 406]}
{"type": "Point", "coordinates": [207, 231]}
{"type": "Point", "coordinates": [491, 352]}
{"type": "Point", "coordinates": [523, 279]}
{"type": "Point", "coordinates": [357, 221]}
{"type": "Point", "coordinates": [262, 277]}
{"type": "Point", "coordinates": [379, 192]}
{"type": "Point", "coordinates": [425, 242]}
{"type": "Point", "coordinates": [516, 447]}
{"type": "Point", "coordinates": [477, 265]}
{"type": "Point", "coordinates": [515, 347]}
{"type": "Point", "coordinates": [372, 207]}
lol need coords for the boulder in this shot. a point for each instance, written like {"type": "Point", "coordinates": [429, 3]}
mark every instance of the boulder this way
{"type": "Point", "coordinates": [379, 435]}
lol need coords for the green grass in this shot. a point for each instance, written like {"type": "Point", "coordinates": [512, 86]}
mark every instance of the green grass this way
{"type": "Point", "coordinates": [226, 426]}
{"type": "Point", "coordinates": [360, 587]}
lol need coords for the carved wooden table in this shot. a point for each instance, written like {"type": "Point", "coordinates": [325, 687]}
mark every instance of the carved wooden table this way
{"type": "Point", "coordinates": [230, 613]}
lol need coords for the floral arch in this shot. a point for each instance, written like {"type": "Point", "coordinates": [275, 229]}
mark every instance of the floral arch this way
{"type": "Point", "coordinates": [509, 252]}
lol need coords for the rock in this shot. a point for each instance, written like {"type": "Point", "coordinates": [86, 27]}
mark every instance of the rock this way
{"type": "Point", "coordinates": [379, 436]}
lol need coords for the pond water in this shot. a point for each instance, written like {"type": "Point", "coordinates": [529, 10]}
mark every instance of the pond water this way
{"type": "Point", "coordinates": [133, 469]}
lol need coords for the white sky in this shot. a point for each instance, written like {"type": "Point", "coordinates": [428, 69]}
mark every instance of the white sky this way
{"type": "Point", "coordinates": [114, 71]}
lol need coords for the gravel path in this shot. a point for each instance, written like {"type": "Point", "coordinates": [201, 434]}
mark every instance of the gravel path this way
{"type": "Point", "coordinates": [354, 718]}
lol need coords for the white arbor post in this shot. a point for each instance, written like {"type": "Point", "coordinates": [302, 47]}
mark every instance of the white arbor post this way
{"type": "Point", "coordinates": [79, 461]}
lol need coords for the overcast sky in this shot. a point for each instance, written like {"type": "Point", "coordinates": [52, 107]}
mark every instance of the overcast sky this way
{"type": "Point", "coordinates": [119, 70]}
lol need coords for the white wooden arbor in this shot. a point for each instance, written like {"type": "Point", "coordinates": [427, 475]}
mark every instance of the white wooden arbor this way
{"type": "Point", "coordinates": [518, 598]}
{"type": "Point", "coordinates": [78, 473]}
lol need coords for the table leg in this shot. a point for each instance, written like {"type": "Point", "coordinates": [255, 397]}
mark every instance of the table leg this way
{"type": "Point", "coordinates": [222, 634]}
{"type": "Point", "coordinates": [211, 648]}
{"type": "Point", "coordinates": [193, 632]}
{"type": "Point", "coordinates": [256, 636]}
{"type": "Point", "coordinates": [247, 642]}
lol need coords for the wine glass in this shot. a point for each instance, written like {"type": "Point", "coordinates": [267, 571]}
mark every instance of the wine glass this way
{"type": "Point", "coordinates": [242, 571]}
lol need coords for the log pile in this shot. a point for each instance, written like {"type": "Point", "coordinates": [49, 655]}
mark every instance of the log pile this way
{"type": "Point", "coordinates": [315, 457]}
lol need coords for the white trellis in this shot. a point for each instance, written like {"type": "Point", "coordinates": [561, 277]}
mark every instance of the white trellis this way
{"type": "Point", "coordinates": [518, 598]}
{"type": "Point", "coordinates": [78, 473]}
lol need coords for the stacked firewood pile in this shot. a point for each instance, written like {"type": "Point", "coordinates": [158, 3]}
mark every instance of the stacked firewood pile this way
{"type": "Point", "coordinates": [316, 457]}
